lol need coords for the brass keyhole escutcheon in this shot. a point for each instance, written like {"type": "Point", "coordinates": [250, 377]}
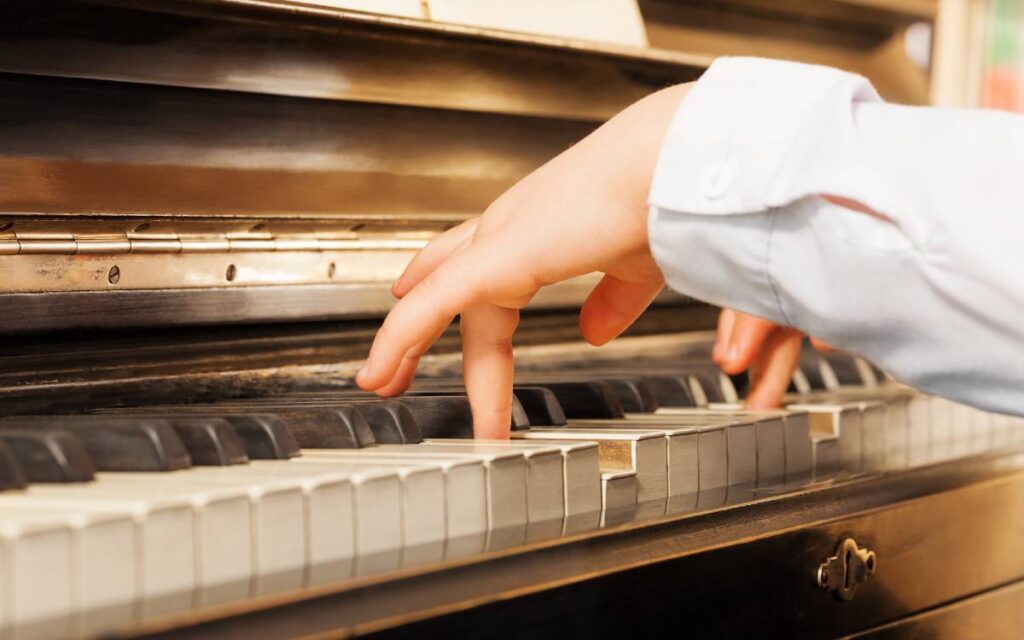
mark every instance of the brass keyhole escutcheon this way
{"type": "Point", "coordinates": [850, 567]}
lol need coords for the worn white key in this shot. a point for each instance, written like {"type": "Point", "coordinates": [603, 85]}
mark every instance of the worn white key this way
{"type": "Point", "coordinates": [827, 457]}
{"type": "Point", "coordinates": [344, 513]}
{"type": "Point", "coordinates": [919, 430]}
{"type": "Point", "coordinates": [277, 528]}
{"type": "Point", "coordinates": [618, 497]}
{"type": "Point", "coordinates": [164, 537]}
{"type": "Point", "coordinates": [104, 569]}
{"type": "Point", "coordinates": [682, 451]}
{"type": "Point", "coordinates": [505, 474]}
{"type": "Point", "coordinates": [465, 491]}
{"type": "Point", "coordinates": [548, 511]}
{"type": "Point", "coordinates": [843, 421]}
{"type": "Point", "coordinates": [422, 505]}
{"type": "Point", "coordinates": [37, 582]}
{"type": "Point", "coordinates": [644, 452]}
{"type": "Point", "coordinates": [545, 484]}
{"type": "Point", "coordinates": [582, 481]}
{"type": "Point", "coordinates": [941, 430]}
{"type": "Point", "coordinates": [769, 431]}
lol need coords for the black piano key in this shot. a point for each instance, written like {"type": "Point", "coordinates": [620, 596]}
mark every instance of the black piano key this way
{"type": "Point", "coordinates": [845, 368]}
{"type": "Point", "coordinates": [117, 443]}
{"type": "Point", "coordinates": [441, 416]}
{"type": "Point", "coordinates": [444, 415]}
{"type": "Point", "coordinates": [519, 422]}
{"type": "Point", "coordinates": [741, 381]}
{"type": "Point", "coordinates": [210, 441]}
{"type": "Point", "coordinates": [810, 366]}
{"type": "Point", "coordinates": [311, 425]}
{"type": "Point", "coordinates": [12, 476]}
{"type": "Point", "coordinates": [392, 422]}
{"type": "Point", "coordinates": [634, 395]}
{"type": "Point", "coordinates": [265, 437]}
{"type": "Point", "coordinates": [671, 391]}
{"type": "Point", "coordinates": [49, 456]}
{"type": "Point", "coordinates": [540, 406]}
{"type": "Point", "coordinates": [584, 400]}
{"type": "Point", "coordinates": [327, 427]}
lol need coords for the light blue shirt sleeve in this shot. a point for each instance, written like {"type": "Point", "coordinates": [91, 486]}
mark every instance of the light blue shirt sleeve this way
{"type": "Point", "coordinates": [931, 289]}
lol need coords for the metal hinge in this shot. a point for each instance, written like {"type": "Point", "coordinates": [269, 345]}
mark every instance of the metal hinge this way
{"type": "Point", "coordinates": [84, 235]}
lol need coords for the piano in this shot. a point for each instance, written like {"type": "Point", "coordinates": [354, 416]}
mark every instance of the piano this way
{"type": "Point", "coordinates": [202, 206]}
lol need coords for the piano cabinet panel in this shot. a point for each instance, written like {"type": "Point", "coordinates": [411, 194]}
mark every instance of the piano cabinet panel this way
{"type": "Point", "coordinates": [941, 534]}
{"type": "Point", "coordinates": [993, 615]}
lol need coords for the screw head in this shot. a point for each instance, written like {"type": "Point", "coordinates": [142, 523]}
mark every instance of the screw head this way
{"type": "Point", "coordinates": [114, 275]}
{"type": "Point", "coordinates": [823, 577]}
{"type": "Point", "coordinates": [231, 273]}
{"type": "Point", "coordinates": [331, 270]}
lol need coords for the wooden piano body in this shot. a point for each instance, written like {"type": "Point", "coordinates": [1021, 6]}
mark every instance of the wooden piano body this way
{"type": "Point", "coordinates": [205, 200]}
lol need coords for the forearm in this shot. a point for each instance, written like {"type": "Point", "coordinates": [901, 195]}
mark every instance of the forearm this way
{"type": "Point", "coordinates": [928, 289]}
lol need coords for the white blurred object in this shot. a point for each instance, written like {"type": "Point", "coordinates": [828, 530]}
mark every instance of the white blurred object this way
{"type": "Point", "coordinates": [917, 42]}
{"type": "Point", "coordinates": [406, 8]}
{"type": "Point", "coordinates": [610, 21]}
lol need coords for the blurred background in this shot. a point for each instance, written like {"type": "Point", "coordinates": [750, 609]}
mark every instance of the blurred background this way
{"type": "Point", "coordinates": [944, 52]}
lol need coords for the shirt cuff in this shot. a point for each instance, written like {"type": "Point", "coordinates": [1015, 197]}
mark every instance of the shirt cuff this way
{"type": "Point", "coordinates": [753, 142]}
{"type": "Point", "coordinates": [754, 134]}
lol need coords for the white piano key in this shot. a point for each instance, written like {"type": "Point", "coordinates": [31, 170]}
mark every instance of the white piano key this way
{"type": "Point", "coordinates": [164, 537]}
{"type": "Point", "coordinates": [827, 458]}
{"type": "Point", "coordinates": [505, 474]}
{"type": "Point", "coordinates": [104, 567]}
{"type": "Point", "coordinates": [422, 505]}
{"type": "Point", "coordinates": [644, 452]}
{"type": "Point", "coordinates": [545, 481]}
{"type": "Point", "coordinates": [465, 492]}
{"type": "Point", "coordinates": [618, 497]}
{"type": "Point", "coordinates": [277, 523]}
{"type": "Point", "coordinates": [37, 585]}
{"type": "Point", "coordinates": [842, 420]}
{"type": "Point", "coordinates": [581, 480]}
{"type": "Point", "coordinates": [941, 430]}
{"type": "Point", "coordinates": [873, 425]}
{"type": "Point", "coordinates": [919, 430]}
{"type": "Point", "coordinates": [683, 454]}
{"type": "Point", "coordinates": [344, 514]}
{"type": "Point", "coordinates": [897, 432]}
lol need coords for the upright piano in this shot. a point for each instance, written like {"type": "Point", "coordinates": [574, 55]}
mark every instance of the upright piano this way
{"type": "Point", "coordinates": [202, 206]}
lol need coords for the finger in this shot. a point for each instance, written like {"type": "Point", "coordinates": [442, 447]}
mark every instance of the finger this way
{"type": "Point", "coordinates": [726, 322]}
{"type": "Point", "coordinates": [487, 367]}
{"type": "Point", "coordinates": [432, 255]}
{"type": "Point", "coordinates": [822, 346]}
{"type": "Point", "coordinates": [772, 372]}
{"type": "Point", "coordinates": [613, 305]}
{"type": "Point", "coordinates": [747, 339]}
{"type": "Point", "coordinates": [428, 308]}
{"type": "Point", "coordinates": [407, 369]}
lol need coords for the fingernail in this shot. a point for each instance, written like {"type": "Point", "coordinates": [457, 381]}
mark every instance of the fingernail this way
{"type": "Point", "coordinates": [732, 353]}
{"type": "Point", "coordinates": [362, 373]}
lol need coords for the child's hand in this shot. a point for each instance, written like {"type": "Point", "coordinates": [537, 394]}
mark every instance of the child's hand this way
{"type": "Point", "coordinates": [771, 352]}
{"type": "Point", "coordinates": [584, 211]}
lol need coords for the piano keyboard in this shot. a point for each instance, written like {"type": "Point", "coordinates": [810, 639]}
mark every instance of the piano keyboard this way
{"type": "Point", "coordinates": [129, 514]}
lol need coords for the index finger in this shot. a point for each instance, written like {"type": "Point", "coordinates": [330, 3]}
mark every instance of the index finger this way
{"type": "Point", "coordinates": [425, 311]}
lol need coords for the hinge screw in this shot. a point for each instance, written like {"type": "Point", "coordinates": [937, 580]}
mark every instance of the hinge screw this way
{"type": "Point", "coordinates": [113, 275]}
